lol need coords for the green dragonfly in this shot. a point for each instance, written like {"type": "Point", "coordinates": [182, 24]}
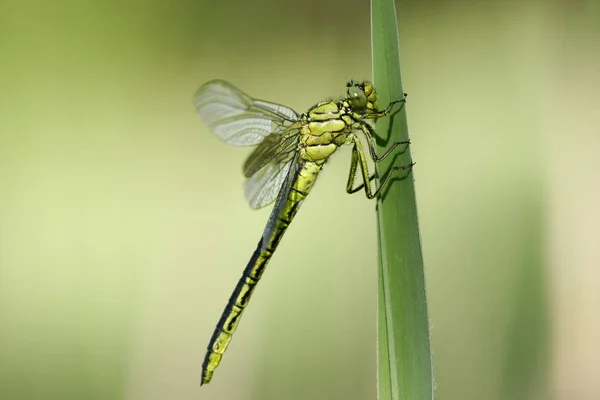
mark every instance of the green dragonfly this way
{"type": "Point", "coordinates": [291, 152]}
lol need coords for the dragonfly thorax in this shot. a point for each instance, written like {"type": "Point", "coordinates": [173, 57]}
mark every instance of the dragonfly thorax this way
{"type": "Point", "coordinates": [324, 128]}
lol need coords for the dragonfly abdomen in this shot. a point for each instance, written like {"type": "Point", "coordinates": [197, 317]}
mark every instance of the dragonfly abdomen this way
{"type": "Point", "coordinates": [281, 217]}
{"type": "Point", "coordinates": [233, 310]}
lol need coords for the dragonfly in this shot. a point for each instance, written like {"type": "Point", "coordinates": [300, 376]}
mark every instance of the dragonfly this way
{"type": "Point", "coordinates": [291, 150]}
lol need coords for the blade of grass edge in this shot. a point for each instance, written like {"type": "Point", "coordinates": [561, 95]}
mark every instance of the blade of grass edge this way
{"type": "Point", "coordinates": [384, 384]}
{"type": "Point", "coordinates": [404, 354]}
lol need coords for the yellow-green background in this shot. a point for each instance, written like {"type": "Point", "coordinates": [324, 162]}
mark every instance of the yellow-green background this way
{"type": "Point", "coordinates": [123, 227]}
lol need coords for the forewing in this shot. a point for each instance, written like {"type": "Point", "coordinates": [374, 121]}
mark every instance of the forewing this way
{"type": "Point", "coordinates": [263, 186]}
{"type": "Point", "coordinates": [237, 118]}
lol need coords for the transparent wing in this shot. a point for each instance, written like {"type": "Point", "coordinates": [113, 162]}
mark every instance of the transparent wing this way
{"type": "Point", "coordinates": [273, 148]}
{"type": "Point", "coordinates": [263, 186]}
{"type": "Point", "coordinates": [237, 118]}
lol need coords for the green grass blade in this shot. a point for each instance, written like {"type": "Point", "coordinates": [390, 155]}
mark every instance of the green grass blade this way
{"type": "Point", "coordinates": [384, 381]}
{"type": "Point", "coordinates": [404, 354]}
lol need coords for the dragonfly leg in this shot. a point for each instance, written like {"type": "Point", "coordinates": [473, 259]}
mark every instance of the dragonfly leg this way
{"type": "Point", "coordinates": [383, 113]}
{"type": "Point", "coordinates": [352, 175]}
{"type": "Point", "coordinates": [358, 158]}
{"type": "Point", "coordinates": [388, 175]}
{"type": "Point", "coordinates": [359, 187]}
{"type": "Point", "coordinates": [369, 134]}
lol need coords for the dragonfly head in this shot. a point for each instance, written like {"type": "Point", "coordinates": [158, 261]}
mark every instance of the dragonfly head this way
{"type": "Point", "coordinates": [362, 96]}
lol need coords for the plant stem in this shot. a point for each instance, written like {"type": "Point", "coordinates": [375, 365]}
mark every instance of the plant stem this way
{"type": "Point", "coordinates": [404, 354]}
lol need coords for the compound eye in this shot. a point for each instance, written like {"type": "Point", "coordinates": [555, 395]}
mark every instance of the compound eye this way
{"type": "Point", "coordinates": [356, 97]}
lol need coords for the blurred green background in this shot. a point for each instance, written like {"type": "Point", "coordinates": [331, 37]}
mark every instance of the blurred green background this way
{"type": "Point", "coordinates": [123, 226]}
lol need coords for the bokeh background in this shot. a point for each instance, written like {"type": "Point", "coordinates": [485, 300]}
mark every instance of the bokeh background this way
{"type": "Point", "coordinates": [123, 226]}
